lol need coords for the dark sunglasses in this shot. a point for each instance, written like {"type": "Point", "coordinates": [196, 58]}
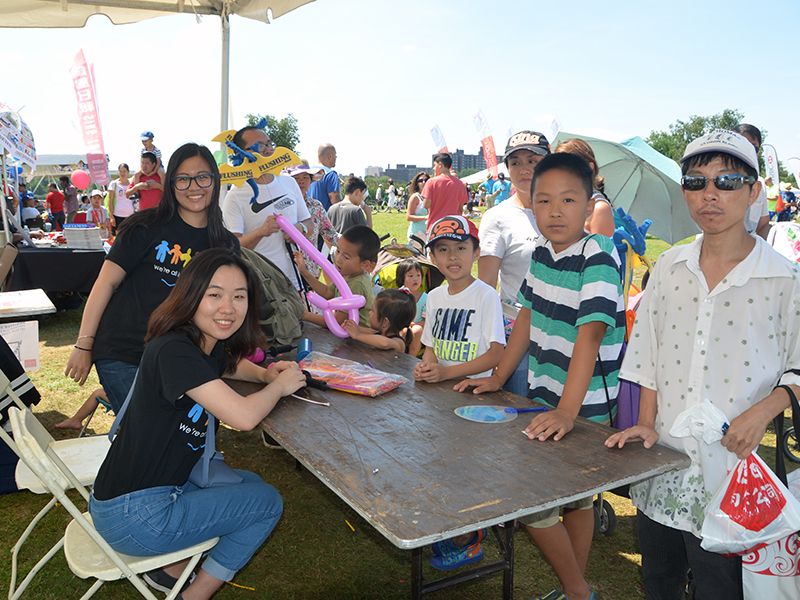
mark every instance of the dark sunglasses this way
{"type": "Point", "coordinates": [726, 183]}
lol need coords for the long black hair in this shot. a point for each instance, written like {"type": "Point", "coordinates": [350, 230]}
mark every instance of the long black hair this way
{"type": "Point", "coordinates": [168, 205]}
{"type": "Point", "coordinates": [177, 312]}
{"type": "Point", "coordinates": [399, 308]}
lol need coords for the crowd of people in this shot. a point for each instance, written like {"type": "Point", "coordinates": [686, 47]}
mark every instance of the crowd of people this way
{"type": "Point", "coordinates": [175, 308]}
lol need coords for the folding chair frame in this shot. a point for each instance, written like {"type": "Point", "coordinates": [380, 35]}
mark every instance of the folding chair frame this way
{"type": "Point", "coordinates": [55, 475]}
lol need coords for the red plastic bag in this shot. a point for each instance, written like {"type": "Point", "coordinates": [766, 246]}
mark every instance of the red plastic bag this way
{"type": "Point", "coordinates": [751, 509]}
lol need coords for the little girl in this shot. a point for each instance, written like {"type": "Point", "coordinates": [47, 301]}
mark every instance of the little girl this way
{"type": "Point", "coordinates": [389, 319]}
{"type": "Point", "coordinates": [409, 276]}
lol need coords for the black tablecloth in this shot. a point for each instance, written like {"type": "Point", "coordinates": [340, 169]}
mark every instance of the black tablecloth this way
{"type": "Point", "coordinates": [56, 269]}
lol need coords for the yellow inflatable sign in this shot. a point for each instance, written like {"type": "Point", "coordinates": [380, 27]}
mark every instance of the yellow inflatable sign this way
{"type": "Point", "coordinates": [273, 164]}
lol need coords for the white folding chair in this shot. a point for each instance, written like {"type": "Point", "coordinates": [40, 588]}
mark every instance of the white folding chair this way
{"type": "Point", "coordinates": [15, 592]}
{"type": "Point", "coordinates": [84, 455]}
{"type": "Point", "coordinates": [87, 553]}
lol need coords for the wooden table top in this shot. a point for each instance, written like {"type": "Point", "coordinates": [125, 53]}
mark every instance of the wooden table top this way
{"type": "Point", "coordinates": [418, 473]}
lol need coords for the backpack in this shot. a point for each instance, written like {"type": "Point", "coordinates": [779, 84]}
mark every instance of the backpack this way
{"type": "Point", "coordinates": [280, 307]}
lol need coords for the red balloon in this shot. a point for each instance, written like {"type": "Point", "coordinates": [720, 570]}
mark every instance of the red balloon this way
{"type": "Point", "coordinates": [80, 179]}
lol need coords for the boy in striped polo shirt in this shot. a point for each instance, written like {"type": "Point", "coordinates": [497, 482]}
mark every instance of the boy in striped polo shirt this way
{"type": "Point", "coordinates": [572, 326]}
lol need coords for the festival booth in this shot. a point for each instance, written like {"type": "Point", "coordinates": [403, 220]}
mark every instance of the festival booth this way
{"type": "Point", "coordinates": [17, 143]}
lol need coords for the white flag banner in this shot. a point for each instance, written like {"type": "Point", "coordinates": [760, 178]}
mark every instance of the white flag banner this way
{"type": "Point", "coordinates": [555, 127]}
{"type": "Point", "coordinates": [487, 143]}
{"type": "Point", "coordinates": [771, 163]}
{"type": "Point", "coordinates": [438, 139]}
{"type": "Point", "coordinates": [794, 168]}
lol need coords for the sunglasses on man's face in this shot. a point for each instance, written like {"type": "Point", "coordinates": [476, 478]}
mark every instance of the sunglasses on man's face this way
{"type": "Point", "coordinates": [726, 183]}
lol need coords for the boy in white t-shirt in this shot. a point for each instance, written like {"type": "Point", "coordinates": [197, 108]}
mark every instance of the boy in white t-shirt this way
{"type": "Point", "coordinates": [463, 332]}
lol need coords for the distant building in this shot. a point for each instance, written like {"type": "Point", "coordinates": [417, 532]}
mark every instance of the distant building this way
{"type": "Point", "coordinates": [463, 161]}
{"type": "Point", "coordinates": [405, 173]}
{"type": "Point", "coordinates": [373, 172]}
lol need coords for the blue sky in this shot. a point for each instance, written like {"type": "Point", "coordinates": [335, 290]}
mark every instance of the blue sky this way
{"type": "Point", "coordinates": [373, 76]}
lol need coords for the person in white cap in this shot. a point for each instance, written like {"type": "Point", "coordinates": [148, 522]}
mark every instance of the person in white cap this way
{"type": "Point", "coordinates": [694, 340]}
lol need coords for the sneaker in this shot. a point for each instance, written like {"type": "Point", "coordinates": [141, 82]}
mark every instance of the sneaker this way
{"type": "Point", "coordinates": [160, 580]}
{"type": "Point", "coordinates": [446, 547]}
{"type": "Point", "coordinates": [270, 442]}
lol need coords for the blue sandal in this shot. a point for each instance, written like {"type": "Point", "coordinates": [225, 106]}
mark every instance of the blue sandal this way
{"type": "Point", "coordinates": [447, 547]}
{"type": "Point", "coordinates": [448, 556]}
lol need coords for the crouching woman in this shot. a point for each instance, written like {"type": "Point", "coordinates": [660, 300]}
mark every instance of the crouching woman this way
{"type": "Point", "coordinates": [142, 502]}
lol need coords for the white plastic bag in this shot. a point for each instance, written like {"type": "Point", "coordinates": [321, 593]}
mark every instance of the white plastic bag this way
{"type": "Point", "coordinates": [751, 509]}
{"type": "Point", "coordinates": [774, 571]}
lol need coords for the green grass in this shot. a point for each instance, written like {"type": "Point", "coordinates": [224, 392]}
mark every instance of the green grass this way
{"type": "Point", "coordinates": [312, 554]}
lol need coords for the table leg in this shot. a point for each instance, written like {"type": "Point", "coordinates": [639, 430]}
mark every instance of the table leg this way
{"type": "Point", "coordinates": [508, 554]}
{"type": "Point", "coordinates": [416, 574]}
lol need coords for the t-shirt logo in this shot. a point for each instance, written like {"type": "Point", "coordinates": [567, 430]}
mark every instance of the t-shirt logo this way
{"type": "Point", "coordinates": [257, 207]}
{"type": "Point", "coordinates": [451, 335]}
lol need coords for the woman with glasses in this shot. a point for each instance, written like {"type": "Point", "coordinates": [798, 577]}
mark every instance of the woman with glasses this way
{"type": "Point", "coordinates": [151, 249]}
{"type": "Point", "coordinates": [416, 213]}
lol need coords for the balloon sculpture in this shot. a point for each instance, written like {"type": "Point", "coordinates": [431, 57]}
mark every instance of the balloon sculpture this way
{"type": "Point", "coordinates": [80, 179]}
{"type": "Point", "coordinates": [629, 238]}
{"type": "Point", "coordinates": [347, 301]}
{"type": "Point", "coordinates": [248, 164]}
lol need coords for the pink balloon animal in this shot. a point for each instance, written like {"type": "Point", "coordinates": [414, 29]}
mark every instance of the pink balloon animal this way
{"type": "Point", "coordinates": [346, 301]}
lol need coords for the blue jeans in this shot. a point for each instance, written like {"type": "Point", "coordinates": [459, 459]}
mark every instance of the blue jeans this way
{"type": "Point", "coordinates": [518, 382]}
{"type": "Point", "coordinates": [116, 377]}
{"type": "Point", "coordinates": [166, 519]}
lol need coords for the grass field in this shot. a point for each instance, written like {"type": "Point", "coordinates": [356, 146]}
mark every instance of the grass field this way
{"type": "Point", "coordinates": [312, 554]}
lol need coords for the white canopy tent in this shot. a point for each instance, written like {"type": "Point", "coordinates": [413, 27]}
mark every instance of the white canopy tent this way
{"type": "Point", "coordinates": [74, 13]}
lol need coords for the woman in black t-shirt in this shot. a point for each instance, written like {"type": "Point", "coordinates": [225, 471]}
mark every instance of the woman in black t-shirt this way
{"type": "Point", "coordinates": [142, 502]}
{"type": "Point", "coordinates": [142, 267]}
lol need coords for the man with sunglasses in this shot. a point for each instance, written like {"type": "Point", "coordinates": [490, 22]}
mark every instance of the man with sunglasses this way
{"type": "Point", "coordinates": [718, 323]}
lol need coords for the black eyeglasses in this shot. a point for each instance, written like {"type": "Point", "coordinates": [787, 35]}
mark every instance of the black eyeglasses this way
{"type": "Point", "coordinates": [726, 183]}
{"type": "Point", "coordinates": [262, 147]}
{"type": "Point", "coordinates": [204, 180]}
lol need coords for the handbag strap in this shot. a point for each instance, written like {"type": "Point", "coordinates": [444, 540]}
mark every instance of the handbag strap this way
{"type": "Point", "coordinates": [121, 413]}
{"type": "Point", "coordinates": [208, 451]}
{"type": "Point", "coordinates": [780, 461]}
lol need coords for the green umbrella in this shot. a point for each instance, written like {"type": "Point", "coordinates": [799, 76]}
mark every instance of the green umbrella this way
{"type": "Point", "coordinates": [644, 183]}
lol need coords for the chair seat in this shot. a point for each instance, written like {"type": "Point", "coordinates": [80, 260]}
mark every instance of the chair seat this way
{"type": "Point", "coordinates": [86, 559]}
{"type": "Point", "coordinates": [83, 456]}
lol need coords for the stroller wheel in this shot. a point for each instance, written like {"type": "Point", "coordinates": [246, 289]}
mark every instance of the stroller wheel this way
{"type": "Point", "coordinates": [791, 445]}
{"type": "Point", "coordinates": [605, 519]}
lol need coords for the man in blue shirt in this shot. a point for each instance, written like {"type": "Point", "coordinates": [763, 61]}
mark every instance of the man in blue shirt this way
{"type": "Point", "coordinates": [326, 190]}
{"type": "Point", "coordinates": [501, 189]}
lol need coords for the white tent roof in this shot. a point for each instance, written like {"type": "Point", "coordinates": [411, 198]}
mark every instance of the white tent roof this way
{"type": "Point", "coordinates": [74, 13]}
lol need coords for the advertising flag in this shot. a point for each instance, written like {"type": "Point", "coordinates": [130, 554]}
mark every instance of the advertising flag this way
{"type": "Point", "coordinates": [794, 169]}
{"type": "Point", "coordinates": [487, 142]}
{"type": "Point", "coordinates": [438, 139]}
{"type": "Point", "coordinates": [771, 163]}
{"type": "Point", "coordinates": [555, 127]}
{"type": "Point", "coordinates": [88, 115]}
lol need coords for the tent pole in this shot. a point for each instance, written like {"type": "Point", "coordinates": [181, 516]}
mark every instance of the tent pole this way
{"type": "Point", "coordinates": [226, 56]}
{"type": "Point", "coordinates": [5, 217]}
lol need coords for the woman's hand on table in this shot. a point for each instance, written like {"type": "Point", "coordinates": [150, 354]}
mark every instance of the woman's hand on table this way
{"type": "Point", "coordinates": [79, 365]}
{"type": "Point", "coordinates": [290, 378]}
{"type": "Point", "coordinates": [276, 369]}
